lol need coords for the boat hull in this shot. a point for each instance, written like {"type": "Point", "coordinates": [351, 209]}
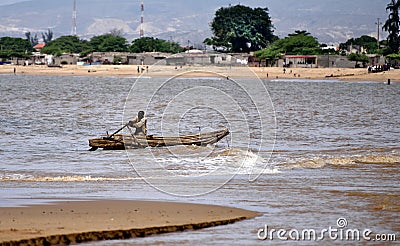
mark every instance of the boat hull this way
{"type": "Point", "coordinates": [123, 141]}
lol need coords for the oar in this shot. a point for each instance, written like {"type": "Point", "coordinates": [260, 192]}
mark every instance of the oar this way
{"type": "Point", "coordinates": [133, 136]}
{"type": "Point", "coordinates": [120, 129]}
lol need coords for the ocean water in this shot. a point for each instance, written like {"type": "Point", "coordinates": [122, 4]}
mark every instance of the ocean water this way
{"type": "Point", "coordinates": [303, 153]}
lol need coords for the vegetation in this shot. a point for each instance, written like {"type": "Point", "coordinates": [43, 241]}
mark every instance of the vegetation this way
{"type": "Point", "coordinates": [47, 36]}
{"type": "Point", "coordinates": [149, 44]}
{"type": "Point", "coordinates": [369, 43]}
{"type": "Point", "coordinates": [298, 43]}
{"type": "Point", "coordinates": [63, 44]}
{"type": "Point", "coordinates": [392, 26]}
{"type": "Point", "coordinates": [14, 47]}
{"type": "Point", "coordinates": [108, 43]}
{"type": "Point", "coordinates": [241, 29]}
{"type": "Point", "coordinates": [358, 58]}
{"type": "Point", "coordinates": [34, 40]}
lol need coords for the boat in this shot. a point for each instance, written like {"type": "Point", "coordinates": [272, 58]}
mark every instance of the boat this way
{"type": "Point", "coordinates": [124, 141]}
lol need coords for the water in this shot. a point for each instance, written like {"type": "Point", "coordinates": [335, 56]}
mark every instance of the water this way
{"type": "Point", "coordinates": [336, 153]}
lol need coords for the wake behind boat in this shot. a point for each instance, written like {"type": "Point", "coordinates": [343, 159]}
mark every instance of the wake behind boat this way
{"type": "Point", "coordinates": [122, 141]}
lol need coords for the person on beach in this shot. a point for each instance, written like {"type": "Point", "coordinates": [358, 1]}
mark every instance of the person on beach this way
{"type": "Point", "coordinates": [140, 123]}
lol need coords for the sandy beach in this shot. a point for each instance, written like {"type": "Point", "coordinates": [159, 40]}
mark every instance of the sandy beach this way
{"type": "Point", "coordinates": [159, 71]}
{"type": "Point", "coordinates": [82, 221]}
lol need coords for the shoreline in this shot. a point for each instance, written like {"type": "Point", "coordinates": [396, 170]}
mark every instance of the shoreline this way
{"type": "Point", "coordinates": [163, 71]}
{"type": "Point", "coordinates": [77, 222]}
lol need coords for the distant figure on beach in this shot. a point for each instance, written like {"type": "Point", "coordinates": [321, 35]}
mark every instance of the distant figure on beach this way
{"type": "Point", "coordinates": [140, 123]}
{"type": "Point", "coordinates": [15, 70]}
{"type": "Point", "coordinates": [138, 69]}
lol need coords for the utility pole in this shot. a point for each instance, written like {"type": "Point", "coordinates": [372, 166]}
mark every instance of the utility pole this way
{"type": "Point", "coordinates": [379, 27]}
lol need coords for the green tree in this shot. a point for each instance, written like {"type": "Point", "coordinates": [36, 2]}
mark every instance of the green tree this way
{"type": "Point", "coordinates": [108, 43]}
{"type": "Point", "coordinates": [298, 43]}
{"type": "Point", "coordinates": [149, 44]}
{"type": "Point", "coordinates": [392, 26]}
{"type": "Point", "coordinates": [394, 59]}
{"type": "Point", "coordinates": [368, 42]}
{"type": "Point", "coordinates": [117, 60]}
{"type": "Point", "coordinates": [358, 58]}
{"type": "Point", "coordinates": [64, 44]}
{"type": "Point", "coordinates": [240, 29]}
{"type": "Point", "coordinates": [270, 53]}
{"type": "Point", "coordinates": [14, 47]}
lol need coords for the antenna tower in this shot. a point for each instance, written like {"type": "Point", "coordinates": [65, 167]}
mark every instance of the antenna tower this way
{"type": "Point", "coordinates": [74, 19]}
{"type": "Point", "coordinates": [142, 20]}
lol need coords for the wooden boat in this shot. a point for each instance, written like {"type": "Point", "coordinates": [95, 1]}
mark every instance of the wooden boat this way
{"type": "Point", "coordinates": [122, 141]}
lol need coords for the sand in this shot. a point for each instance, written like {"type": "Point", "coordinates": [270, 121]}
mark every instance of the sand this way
{"type": "Point", "coordinates": [82, 221]}
{"type": "Point", "coordinates": [158, 71]}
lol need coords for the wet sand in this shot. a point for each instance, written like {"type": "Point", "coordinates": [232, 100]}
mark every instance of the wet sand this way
{"type": "Point", "coordinates": [158, 71]}
{"type": "Point", "coordinates": [83, 221]}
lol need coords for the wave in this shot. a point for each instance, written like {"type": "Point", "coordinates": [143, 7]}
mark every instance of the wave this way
{"type": "Point", "coordinates": [208, 162]}
{"type": "Point", "coordinates": [73, 178]}
{"type": "Point", "coordinates": [342, 161]}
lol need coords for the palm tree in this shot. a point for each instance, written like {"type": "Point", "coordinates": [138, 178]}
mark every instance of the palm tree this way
{"type": "Point", "coordinates": [392, 26]}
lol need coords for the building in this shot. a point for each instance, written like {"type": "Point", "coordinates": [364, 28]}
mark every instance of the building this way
{"type": "Point", "coordinates": [39, 47]}
{"type": "Point", "coordinates": [296, 61]}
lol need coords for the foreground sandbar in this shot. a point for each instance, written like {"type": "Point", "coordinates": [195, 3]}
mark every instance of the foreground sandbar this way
{"type": "Point", "coordinates": [82, 221]}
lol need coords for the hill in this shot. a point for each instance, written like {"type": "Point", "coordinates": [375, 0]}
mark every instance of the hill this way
{"type": "Point", "coordinates": [188, 21]}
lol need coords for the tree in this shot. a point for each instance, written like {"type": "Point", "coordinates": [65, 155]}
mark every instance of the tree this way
{"type": "Point", "coordinates": [47, 37]}
{"type": "Point", "coordinates": [108, 43]}
{"type": "Point", "coordinates": [64, 44]}
{"type": "Point", "coordinates": [116, 32]}
{"type": "Point", "coordinates": [299, 32]}
{"type": "Point", "coordinates": [149, 44]}
{"type": "Point", "coordinates": [358, 58]}
{"type": "Point", "coordinates": [32, 39]}
{"type": "Point", "coordinates": [271, 53]}
{"type": "Point", "coordinates": [298, 43]}
{"type": "Point", "coordinates": [240, 28]}
{"type": "Point", "coordinates": [394, 59]}
{"type": "Point", "coordinates": [368, 42]}
{"type": "Point", "coordinates": [392, 26]}
{"type": "Point", "coordinates": [14, 47]}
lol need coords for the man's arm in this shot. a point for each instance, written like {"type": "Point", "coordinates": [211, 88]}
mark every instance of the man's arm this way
{"type": "Point", "coordinates": [141, 123]}
{"type": "Point", "coordinates": [132, 122]}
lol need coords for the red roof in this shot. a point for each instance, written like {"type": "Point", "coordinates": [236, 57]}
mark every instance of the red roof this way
{"type": "Point", "coordinates": [39, 46]}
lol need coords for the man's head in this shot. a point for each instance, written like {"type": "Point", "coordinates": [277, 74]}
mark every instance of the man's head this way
{"type": "Point", "coordinates": [140, 115]}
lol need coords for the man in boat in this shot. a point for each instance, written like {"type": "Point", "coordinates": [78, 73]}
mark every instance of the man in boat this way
{"type": "Point", "coordinates": [140, 123]}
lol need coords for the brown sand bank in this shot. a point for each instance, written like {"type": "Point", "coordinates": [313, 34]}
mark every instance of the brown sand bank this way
{"type": "Point", "coordinates": [158, 71]}
{"type": "Point", "coordinates": [75, 222]}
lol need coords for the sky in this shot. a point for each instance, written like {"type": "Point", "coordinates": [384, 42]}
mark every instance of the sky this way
{"type": "Point", "coordinates": [6, 2]}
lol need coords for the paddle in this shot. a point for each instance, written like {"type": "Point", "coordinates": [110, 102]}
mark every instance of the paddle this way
{"type": "Point", "coordinates": [133, 136]}
{"type": "Point", "coordinates": [120, 129]}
